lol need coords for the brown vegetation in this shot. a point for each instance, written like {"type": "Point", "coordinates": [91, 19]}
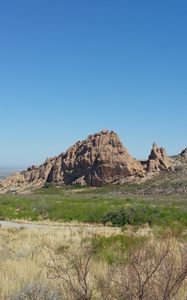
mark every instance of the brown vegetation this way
{"type": "Point", "coordinates": [51, 264]}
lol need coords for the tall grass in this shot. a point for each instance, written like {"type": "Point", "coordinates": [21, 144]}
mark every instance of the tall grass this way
{"type": "Point", "coordinates": [79, 263]}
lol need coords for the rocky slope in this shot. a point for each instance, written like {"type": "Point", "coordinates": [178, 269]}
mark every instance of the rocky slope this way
{"type": "Point", "coordinates": [100, 159]}
{"type": "Point", "coordinates": [172, 183]}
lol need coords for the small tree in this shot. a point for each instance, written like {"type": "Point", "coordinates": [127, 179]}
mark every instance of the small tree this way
{"type": "Point", "coordinates": [73, 267]}
{"type": "Point", "coordinates": [157, 271]}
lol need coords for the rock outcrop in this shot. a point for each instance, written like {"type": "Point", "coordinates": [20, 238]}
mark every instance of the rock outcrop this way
{"type": "Point", "coordinates": [98, 160]}
{"type": "Point", "coordinates": [184, 153]}
{"type": "Point", "coordinates": [32, 178]}
{"type": "Point", "coordinates": [158, 160]}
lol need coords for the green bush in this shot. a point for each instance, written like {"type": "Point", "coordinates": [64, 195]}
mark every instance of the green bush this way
{"type": "Point", "coordinates": [48, 185]}
{"type": "Point", "coordinates": [114, 249]}
{"type": "Point", "coordinates": [139, 215]}
{"type": "Point", "coordinates": [124, 216]}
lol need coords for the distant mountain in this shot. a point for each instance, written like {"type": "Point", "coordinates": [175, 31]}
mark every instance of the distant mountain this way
{"type": "Point", "coordinates": [7, 171]}
{"type": "Point", "coordinates": [98, 160]}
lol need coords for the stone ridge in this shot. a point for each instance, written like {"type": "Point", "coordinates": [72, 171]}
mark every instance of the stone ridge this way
{"type": "Point", "coordinates": [100, 159]}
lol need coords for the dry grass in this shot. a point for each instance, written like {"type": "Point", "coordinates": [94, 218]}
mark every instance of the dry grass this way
{"type": "Point", "coordinates": [22, 257]}
{"type": "Point", "coordinates": [30, 260]}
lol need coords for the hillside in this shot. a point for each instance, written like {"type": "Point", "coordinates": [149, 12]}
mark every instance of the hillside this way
{"type": "Point", "coordinates": [167, 183]}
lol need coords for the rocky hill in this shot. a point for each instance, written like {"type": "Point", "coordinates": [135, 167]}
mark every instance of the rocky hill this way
{"type": "Point", "coordinates": [100, 159]}
{"type": "Point", "coordinates": [172, 183]}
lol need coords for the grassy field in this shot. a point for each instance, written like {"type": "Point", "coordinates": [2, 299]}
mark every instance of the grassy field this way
{"type": "Point", "coordinates": [140, 253]}
{"type": "Point", "coordinates": [95, 205]}
{"type": "Point", "coordinates": [75, 263]}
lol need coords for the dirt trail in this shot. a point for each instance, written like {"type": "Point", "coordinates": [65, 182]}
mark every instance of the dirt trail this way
{"type": "Point", "coordinates": [66, 227]}
{"type": "Point", "coordinates": [25, 225]}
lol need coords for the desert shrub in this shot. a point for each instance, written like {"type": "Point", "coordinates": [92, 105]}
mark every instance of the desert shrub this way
{"type": "Point", "coordinates": [139, 215]}
{"type": "Point", "coordinates": [48, 185]}
{"type": "Point", "coordinates": [154, 270]}
{"type": "Point", "coordinates": [175, 229]}
{"type": "Point", "coordinates": [42, 209]}
{"type": "Point", "coordinates": [74, 267]}
{"type": "Point", "coordinates": [36, 291]}
{"type": "Point", "coordinates": [114, 249]}
{"type": "Point", "coordinates": [129, 215]}
{"type": "Point", "coordinates": [157, 270]}
{"type": "Point", "coordinates": [77, 186]}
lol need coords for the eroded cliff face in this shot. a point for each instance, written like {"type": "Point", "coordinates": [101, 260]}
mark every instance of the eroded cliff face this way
{"type": "Point", "coordinates": [100, 159]}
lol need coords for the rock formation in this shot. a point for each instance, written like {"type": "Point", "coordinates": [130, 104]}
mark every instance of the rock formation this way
{"type": "Point", "coordinates": [184, 153]}
{"type": "Point", "coordinates": [98, 160]}
{"type": "Point", "coordinates": [158, 160]}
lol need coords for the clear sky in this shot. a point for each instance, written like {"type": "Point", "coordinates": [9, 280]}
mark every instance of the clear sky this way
{"type": "Point", "coordinates": [69, 68]}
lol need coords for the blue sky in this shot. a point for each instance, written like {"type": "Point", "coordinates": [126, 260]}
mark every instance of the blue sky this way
{"type": "Point", "coordinates": [71, 68]}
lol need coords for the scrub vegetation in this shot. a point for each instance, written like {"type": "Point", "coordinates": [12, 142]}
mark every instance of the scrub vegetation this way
{"type": "Point", "coordinates": [107, 205]}
{"type": "Point", "coordinates": [73, 264]}
{"type": "Point", "coordinates": [107, 244]}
